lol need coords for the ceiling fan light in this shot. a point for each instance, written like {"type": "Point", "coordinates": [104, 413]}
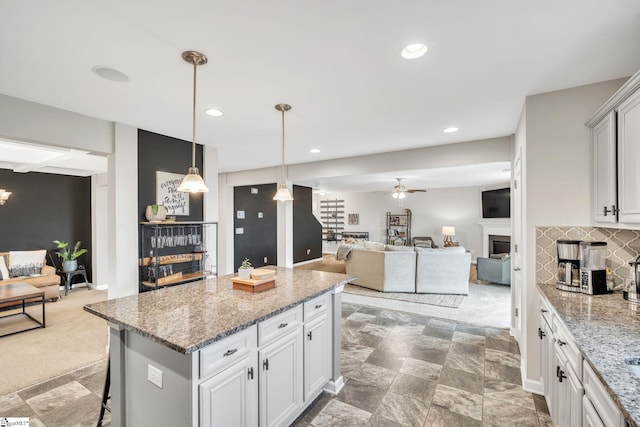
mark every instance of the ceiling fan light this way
{"type": "Point", "coordinates": [402, 195]}
{"type": "Point", "coordinates": [193, 182]}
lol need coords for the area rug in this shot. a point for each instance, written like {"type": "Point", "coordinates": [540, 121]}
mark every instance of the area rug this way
{"type": "Point", "coordinates": [451, 301]}
{"type": "Point", "coordinates": [72, 339]}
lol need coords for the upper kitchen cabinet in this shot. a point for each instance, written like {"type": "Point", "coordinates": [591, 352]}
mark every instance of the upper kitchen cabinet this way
{"type": "Point", "coordinates": [629, 159]}
{"type": "Point", "coordinates": [616, 154]}
{"type": "Point", "coordinates": [604, 170]}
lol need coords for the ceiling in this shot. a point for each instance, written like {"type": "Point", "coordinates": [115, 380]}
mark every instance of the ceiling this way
{"type": "Point", "coordinates": [337, 63]}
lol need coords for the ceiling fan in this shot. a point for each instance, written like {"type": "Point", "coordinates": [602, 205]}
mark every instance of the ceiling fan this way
{"type": "Point", "coordinates": [400, 191]}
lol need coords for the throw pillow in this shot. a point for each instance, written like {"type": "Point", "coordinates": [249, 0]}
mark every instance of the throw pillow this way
{"type": "Point", "coordinates": [4, 272]}
{"type": "Point", "coordinates": [26, 263]}
{"type": "Point", "coordinates": [374, 246]}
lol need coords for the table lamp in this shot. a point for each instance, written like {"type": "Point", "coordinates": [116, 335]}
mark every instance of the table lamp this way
{"type": "Point", "coordinates": [447, 232]}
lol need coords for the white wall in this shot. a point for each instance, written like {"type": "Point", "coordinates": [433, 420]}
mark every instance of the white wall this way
{"type": "Point", "coordinates": [558, 185]}
{"type": "Point", "coordinates": [459, 207]}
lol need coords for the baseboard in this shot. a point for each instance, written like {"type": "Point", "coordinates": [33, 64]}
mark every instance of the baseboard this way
{"type": "Point", "coordinates": [532, 386]}
{"type": "Point", "coordinates": [102, 287]}
{"type": "Point", "coordinates": [334, 387]}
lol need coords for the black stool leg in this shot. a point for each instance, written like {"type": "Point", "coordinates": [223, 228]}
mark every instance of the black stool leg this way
{"type": "Point", "coordinates": [105, 394]}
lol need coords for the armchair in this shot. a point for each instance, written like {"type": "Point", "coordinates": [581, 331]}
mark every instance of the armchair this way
{"type": "Point", "coordinates": [495, 270]}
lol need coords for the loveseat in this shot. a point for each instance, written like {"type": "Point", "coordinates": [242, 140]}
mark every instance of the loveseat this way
{"type": "Point", "coordinates": [46, 279]}
{"type": "Point", "coordinates": [383, 270]}
{"type": "Point", "coordinates": [388, 268]}
{"type": "Point", "coordinates": [443, 271]}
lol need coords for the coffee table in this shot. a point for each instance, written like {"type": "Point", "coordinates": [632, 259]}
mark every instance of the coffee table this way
{"type": "Point", "coordinates": [21, 292]}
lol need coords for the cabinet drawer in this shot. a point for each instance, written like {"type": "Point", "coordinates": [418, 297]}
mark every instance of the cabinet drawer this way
{"type": "Point", "coordinates": [565, 342]}
{"type": "Point", "coordinates": [546, 314]}
{"type": "Point", "coordinates": [600, 399]}
{"type": "Point", "coordinates": [315, 307]}
{"type": "Point", "coordinates": [279, 325]}
{"type": "Point", "coordinates": [220, 355]}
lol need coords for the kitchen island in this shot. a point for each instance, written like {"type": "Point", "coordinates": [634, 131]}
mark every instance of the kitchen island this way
{"type": "Point", "coordinates": [203, 354]}
{"type": "Point", "coordinates": [606, 331]}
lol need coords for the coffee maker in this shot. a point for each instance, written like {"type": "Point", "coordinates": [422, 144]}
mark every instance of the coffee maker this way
{"type": "Point", "coordinates": [593, 273]}
{"type": "Point", "coordinates": [568, 278]}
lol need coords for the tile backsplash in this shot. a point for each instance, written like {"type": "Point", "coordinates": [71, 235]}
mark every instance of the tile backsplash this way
{"type": "Point", "coordinates": [622, 246]}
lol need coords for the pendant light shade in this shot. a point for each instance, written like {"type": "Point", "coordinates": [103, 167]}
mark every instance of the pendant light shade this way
{"type": "Point", "coordinates": [193, 182]}
{"type": "Point", "coordinates": [4, 196]}
{"type": "Point", "coordinates": [283, 194]}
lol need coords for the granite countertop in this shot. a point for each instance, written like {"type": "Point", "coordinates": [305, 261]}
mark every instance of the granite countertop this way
{"type": "Point", "coordinates": [606, 328]}
{"type": "Point", "coordinates": [191, 316]}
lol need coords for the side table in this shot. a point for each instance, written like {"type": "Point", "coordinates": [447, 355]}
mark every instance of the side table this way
{"type": "Point", "coordinates": [67, 276]}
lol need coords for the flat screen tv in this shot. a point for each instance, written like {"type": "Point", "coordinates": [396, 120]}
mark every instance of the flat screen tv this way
{"type": "Point", "coordinates": [496, 203]}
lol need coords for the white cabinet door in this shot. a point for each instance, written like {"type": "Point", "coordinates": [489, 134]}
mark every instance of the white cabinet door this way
{"type": "Point", "coordinates": [230, 398]}
{"type": "Point", "coordinates": [560, 416]}
{"type": "Point", "coordinates": [281, 379]}
{"type": "Point", "coordinates": [317, 356]}
{"type": "Point", "coordinates": [590, 416]}
{"type": "Point", "coordinates": [629, 159]}
{"type": "Point", "coordinates": [575, 392]}
{"type": "Point", "coordinates": [604, 170]}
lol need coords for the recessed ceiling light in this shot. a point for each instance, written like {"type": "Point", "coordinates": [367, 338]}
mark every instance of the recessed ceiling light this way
{"type": "Point", "coordinates": [314, 151]}
{"type": "Point", "coordinates": [450, 130]}
{"type": "Point", "coordinates": [110, 74]}
{"type": "Point", "coordinates": [414, 51]}
{"type": "Point", "coordinates": [213, 112]}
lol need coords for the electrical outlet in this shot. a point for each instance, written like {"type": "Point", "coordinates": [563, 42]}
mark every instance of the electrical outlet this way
{"type": "Point", "coordinates": [265, 260]}
{"type": "Point", "coordinates": [154, 375]}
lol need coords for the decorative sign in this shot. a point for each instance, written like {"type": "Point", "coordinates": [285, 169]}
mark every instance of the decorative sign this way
{"type": "Point", "coordinates": [167, 194]}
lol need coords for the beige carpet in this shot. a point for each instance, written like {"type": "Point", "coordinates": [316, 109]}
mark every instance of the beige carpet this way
{"type": "Point", "coordinates": [72, 339]}
{"type": "Point", "coordinates": [452, 301]}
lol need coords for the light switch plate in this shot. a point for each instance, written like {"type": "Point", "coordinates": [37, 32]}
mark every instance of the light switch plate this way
{"type": "Point", "coordinates": [260, 215]}
{"type": "Point", "coordinates": [254, 190]}
{"type": "Point", "coordinates": [239, 230]}
{"type": "Point", "coordinates": [240, 214]}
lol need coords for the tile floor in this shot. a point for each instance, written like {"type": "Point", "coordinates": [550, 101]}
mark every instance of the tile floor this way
{"type": "Point", "coordinates": [400, 369]}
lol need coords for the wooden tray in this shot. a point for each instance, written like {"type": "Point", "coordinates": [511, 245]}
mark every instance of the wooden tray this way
{"type": "Point", "coordinates": [170, 278]}
{"type": "Point", "coordinates": [253, 285]}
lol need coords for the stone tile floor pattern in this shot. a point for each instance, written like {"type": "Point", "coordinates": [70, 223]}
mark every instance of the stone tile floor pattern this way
{"type": "Point", "coordinates": [400, 369]}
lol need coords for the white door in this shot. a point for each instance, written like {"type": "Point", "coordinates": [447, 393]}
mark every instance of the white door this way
{"type": "Point", "coordinates": [230, 398]}
{"type": "Point", "coordinates": [317, 356]}
{"type": "Point", "coordinates": [629, 159]}
{"type": "Point", "coordinates": [604, 170]}
{"type": "Point", "coordinates": [516, 250]}
{"type": "Point", "coordinates": [280, 379]}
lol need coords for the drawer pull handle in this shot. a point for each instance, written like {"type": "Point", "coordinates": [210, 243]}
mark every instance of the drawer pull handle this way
{"type": "Point", "coordinates": [318, 305]}
{"type": "Point", "coordinates": [230, 352]}
{"type": "Point", "coordinates": [250, 373]}
{"type": "Point", "coordinates": [282, 325]}
{"type": "Point", "coordinates": [310, 336]}
{"type": "Point", "coordinates": [541, 333]}
{"type": "Point", "coordinates": [561, 343]}
{"type": "Point", "coordinates": [544, 310]}
{"type": "Point", "coordinates": [265, 365]}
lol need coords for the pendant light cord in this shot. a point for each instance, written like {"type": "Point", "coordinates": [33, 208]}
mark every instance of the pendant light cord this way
{"type": "Point", "coordinates": [283, 174]}
{"type": "Point", "coordinates": [193, 145]}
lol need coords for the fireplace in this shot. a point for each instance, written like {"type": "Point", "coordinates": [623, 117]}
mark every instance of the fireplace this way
{"type": "Point", "coordinates": [499, 244]}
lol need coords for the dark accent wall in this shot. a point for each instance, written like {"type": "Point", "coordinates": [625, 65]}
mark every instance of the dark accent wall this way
{"type": "Point", "coordinates": [44, 207]}
{"type": "Point", "coordinates": [307, 231]}
{"type": "Point", "coordinates": [260, 237]}
{"type": "Point", "coordinates": [162, 153]}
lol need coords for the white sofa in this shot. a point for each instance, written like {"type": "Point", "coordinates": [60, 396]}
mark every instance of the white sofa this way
{"type": "Point", "coordinates": [391, 270]}
{"type": "Point", "coordinates": [443, 271]}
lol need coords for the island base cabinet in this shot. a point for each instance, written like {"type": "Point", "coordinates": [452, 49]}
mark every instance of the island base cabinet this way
{"type": "Point", "coordinates": [230, 398]}
{"type": "Point", "coordinates": [281, 380]}
{"type": "Point", "coordinates": [317, 356]}
{"type": "Point", "coordinates": [590, 416]}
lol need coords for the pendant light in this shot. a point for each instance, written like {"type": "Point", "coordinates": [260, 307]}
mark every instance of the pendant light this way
{"type": "Point", "coordinates": [193, 182]}
{"type": "Point", "coordinates": [283, 194]}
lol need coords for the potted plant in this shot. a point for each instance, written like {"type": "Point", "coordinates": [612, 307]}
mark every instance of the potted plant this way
{"type": "Point", "coordinates": [69, 256]}
{"type": "Point", "coordinates": [245, 270]}
{"type": "Point", "coordinates": [155, 213]}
